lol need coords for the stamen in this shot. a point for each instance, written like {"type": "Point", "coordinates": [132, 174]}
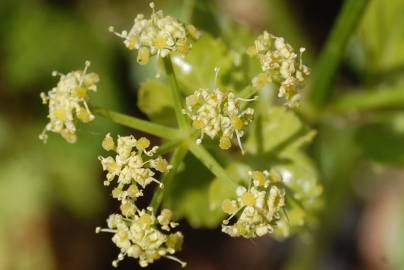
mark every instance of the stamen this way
{"type": "Point", "coordinates": [199, 140]}
{"type": "Point", "coordinates": [98, 230]}
{"type": "Point", "coordinates": [161, 185]}
{"type": "Point", "coordinates": [239, 142]}
{"type": "Point", "coordinates": [302, 50]}
{"type": "Point", "coordinates": [182, 263]}
{"type": "Point", "coordinates": [248, 99]}
{"type": "Point", "coordinates": [124, 34]}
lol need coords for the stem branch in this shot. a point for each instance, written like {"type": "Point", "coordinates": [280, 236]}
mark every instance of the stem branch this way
{"type": "Point", "coordinates": [176, 93]}
{"type": "Point", "coordinates": [175, 162]}
{"type": "Point", "coordinates": [331, 56]}
{"type": "Point", "coordinates": [139, 124]}
{"type": "Point", "coordinates": [210, 162]}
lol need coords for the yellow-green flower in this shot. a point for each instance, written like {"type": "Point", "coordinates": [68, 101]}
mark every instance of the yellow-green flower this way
{"type": "Point", "coordinates": [281, 65]}
{"type": "Point", "coordinates": [67, 102]}
{"type": "Point", "coordinates": [160, 35]}
{"type": "Point", "coordinates": [256, 209]}
{"type": "Point", "coordinates": [218, 114]}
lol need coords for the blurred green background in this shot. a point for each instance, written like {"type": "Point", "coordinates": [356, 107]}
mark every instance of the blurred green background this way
{"type": "Point", "coordinates": [52, 197]}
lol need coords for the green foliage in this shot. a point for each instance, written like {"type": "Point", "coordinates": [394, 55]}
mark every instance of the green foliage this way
{"type": "Point", "coordinates": [154, 99]}
{"type": "Point", "coordinates": [381, 34]}
{"type": "Point", "coordinates": [188, 195]}
{"type": "Point", "coordinates": [383, 142]}
{"type": "Point", "coordinates": [277, 126]}
{"type": "Point", "coordinates": [196, 70]}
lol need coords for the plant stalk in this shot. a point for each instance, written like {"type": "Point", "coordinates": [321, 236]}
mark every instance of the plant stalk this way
{"type": "Point", "coordinates": [139, 124]}
{"type": "Point", "coordinates": [333, 52]}
{"type": "Point", "coordinates": [176, 159]}
{"type": "Point", "coordinates": [176, 93]}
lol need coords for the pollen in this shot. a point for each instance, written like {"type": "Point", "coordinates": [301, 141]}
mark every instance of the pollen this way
{"type": "Point", "coordinates": [229, 207]}
{"type": "Point", "coordinates": [225, 143]}
{"type": "Point", "coordinates": [142, 143]}
{"type": "Point", "coordinates": [248, 199]}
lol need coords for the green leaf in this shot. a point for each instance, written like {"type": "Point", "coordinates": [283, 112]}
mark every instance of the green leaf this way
{"type": "Point", "coordinates": [300, 176]}
{"type": "Point", "coordinates": [188, 195]}
{"type": "Point", "coordinates": [155, 100]}
{"type": "Point", "coordinates": [197, 69]}
{"type": "Point", "coordinates": [382, 142]}
{"type": "Point", "coordinates": [278, 125]}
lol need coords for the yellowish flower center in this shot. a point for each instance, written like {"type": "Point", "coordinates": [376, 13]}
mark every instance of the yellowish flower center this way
{"type": "Point", "coordinates": [248, 199]}
{"type": "Point", "coordinates": [225, 143]}
{"type": "Point", "coordinates": [237, 122]}
{"type": "Point", "coordinates": [259, 177]}
{"type": "Point", "coordinates": [229, 207]}
{"type": "Point", "coordinates": [80, 92]}
{"type": "Point", "coordinates": [142, 143]}
{"type": "Point", "coordinates": [160, 42]}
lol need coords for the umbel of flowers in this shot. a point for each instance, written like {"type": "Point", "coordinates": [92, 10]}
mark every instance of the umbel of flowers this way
{"type": "Point", "coordinates": [257, 208]}
{"type": "Point", "coordinates": [219, 114]}
{"type": "Point", "coordinates": [145, 237]}
{"type": "Point", "coordinates": [281, 65]}
{"type": "Point", "coordinates": [67, 101]}
{"type": "Point", "coordinates": [159, 35]}
{"type": "Point", "coordinates": [132, 165]}
{"type": "Point", "coordinates": [138, 233]}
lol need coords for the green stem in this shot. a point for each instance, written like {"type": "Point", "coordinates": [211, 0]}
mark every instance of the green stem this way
{"type": "Point", "coordinates": [248, 92]}
{"type": "Point", "coordinates": [210, 162]}
{"type": "Point", "coordinates": [369, 100]}
{"type": "Point", "coordinates": [331, 56]}
{"type": "Point", "coordinates": [176, 93]}
{"type": "Point", "coordinates": [167, 147]}
{"type": "Point", "coordinates": [175, 162]}
{"type": "Point", "coordinates": [139, 124]}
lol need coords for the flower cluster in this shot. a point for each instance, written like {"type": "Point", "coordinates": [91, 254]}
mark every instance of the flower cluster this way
{"type": "Point", "coordinates": [138, 233]}
{"type": "Point", "coordinates": [144, 236]}
{"type": "Point", "coordinates": [258, 208]}
{"type": "Point", "coordinates": [159, 35]}
{"type": "Point", "coordinates": [130, 166]}
{"type": "Point", "coordinates": [281, 65]}
{"type": "Point", "coordinates": [216, 113]}
{"type": "Point", "coordinates": [67, 101]}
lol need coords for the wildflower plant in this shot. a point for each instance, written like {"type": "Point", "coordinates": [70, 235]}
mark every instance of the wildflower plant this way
{"type": "Point", "coordinates": [258, 200]}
